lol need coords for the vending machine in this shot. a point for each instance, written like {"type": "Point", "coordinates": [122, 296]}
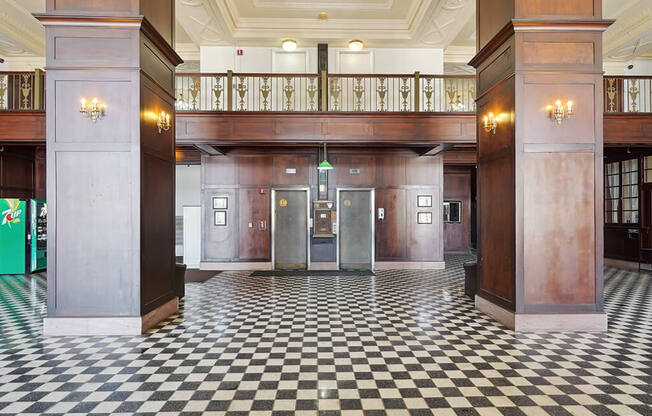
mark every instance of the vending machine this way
{"type": "Point", "coordinates": [23, 235]}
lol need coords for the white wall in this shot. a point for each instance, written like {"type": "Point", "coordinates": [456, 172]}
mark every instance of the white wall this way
{"type": "Point", "coordinates": [387, 61]}
{"type": "Point", "coordinates": [378, 60]}
{"type": "Point", "coordinates": [257, 59]}
{"type": "Point", "coordinates": [641, 67]}
{"type": "Point", "coordinates": [188, 184]}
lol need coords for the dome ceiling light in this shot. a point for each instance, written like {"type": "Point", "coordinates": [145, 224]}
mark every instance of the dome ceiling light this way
{"type": "Point", "coordinates": [289, 45]}
{"type": "Point", "coordinates": [356, 45]}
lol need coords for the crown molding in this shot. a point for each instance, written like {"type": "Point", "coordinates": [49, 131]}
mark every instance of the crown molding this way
{"type": "Point", "coordinates": [318, 5]}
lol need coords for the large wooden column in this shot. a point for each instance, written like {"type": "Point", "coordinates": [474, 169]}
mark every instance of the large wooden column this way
{"type": "Point", "coordinates": [110, 184]}
{"type": "Point", "coordinates": [539, 182]}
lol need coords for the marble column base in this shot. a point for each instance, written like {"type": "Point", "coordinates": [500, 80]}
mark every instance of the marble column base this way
{"type": "Point", "coordinates": [110, 326]}
{"type": "Point", "coordinates": [543, 322]}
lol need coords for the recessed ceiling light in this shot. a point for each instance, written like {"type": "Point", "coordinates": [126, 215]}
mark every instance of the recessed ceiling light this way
{"type": "Point", "coordinates": [356, 45]}
{"type": "Point", "coordinates": [323, 16]}
{"type": "Point", "coordinates": [290, 45]}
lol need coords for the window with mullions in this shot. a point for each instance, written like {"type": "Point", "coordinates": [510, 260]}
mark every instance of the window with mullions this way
{"type": "Point", "coordinates": [647, 172]}
{"type": "Point", "coordinates": [629, 179]}
{"type": "Point", "coordinates": [611, 192]}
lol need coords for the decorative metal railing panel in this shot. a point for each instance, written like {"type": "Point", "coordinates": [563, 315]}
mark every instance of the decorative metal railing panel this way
{"type": "Point", "coordinates": [321, 92]}
{"type": "Point", "coordinates": [628, 94]}
{"type": "Point", "coordinates": [22, 91]}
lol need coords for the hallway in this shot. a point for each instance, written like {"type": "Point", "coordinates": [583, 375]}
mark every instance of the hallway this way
{"type": "Point", "coordinates": [324, 345]}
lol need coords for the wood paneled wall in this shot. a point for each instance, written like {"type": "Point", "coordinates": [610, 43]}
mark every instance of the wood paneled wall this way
{"type": "Point", "coordinates": [457, 187]}
{"type": "Point", "coordinates": [17, 172]}
{"type": "Point", "coordinates": [398, 176]}
{"type": "Point", "coordinates": [533, 256]}
{"type": "Point", "coordinates": [113, 178]}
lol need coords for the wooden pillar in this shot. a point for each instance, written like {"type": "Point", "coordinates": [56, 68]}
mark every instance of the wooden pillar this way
{"type": "Point", "coordinates": [110, 183]}
{"type": "Point", "coordinates": [540, 183]}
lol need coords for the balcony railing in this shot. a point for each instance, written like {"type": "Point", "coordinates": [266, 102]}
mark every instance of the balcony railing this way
{"type": "Point", "coordinates": [627, 94]}
{"type": "Point", "coordinates": [22, 90]}
{"type": "Point", "coordinates": [322, 92]}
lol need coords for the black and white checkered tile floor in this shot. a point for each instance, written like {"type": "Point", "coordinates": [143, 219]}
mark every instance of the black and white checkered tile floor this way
{"type": "Point", "coordinates": [400, 343]}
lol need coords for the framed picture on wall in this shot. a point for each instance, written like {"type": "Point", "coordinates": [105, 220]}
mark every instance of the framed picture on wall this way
{"type": "Point", "coordinates": [220, 202]}
{"type": "Point", "coordinates": [424, 218]}
{"type": "Point", "coordinates": [220, 218]}
{"type": "Point", "coordinates": [424, 201]}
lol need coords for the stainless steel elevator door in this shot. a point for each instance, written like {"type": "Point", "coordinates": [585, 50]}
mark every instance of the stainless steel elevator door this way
{"type": "Point", "coordinates": [291, 230]}
{"type": "Point", "coordinates": [355, 229]}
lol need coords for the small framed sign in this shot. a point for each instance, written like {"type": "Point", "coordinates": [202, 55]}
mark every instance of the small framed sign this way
{"type": "Point", "coordinates": [424, 218]}
{"type": "Point", "coordinates": [220, 218]}
{"type": "Point", "coordinates": [220, 202]}
{"type": "Point", "coordinates": [424, 201]}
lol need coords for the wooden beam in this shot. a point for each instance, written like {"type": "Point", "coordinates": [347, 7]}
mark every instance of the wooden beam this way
{"type": "Point", "coordinates": [434, 151]}
{"type": "Point", "coordinates": [207, 149]}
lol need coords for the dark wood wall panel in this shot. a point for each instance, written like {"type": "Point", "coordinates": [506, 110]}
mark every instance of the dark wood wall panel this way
{"type": "Point", "coordinates": [391, 241]}
{"type": "Point", "coordinates": [255, 170]}
{"type": "Point", "coordinates": [254, 212]}
{"type": "Point", "coordinates": [398, 238]}
{"type": "Point", "coordinates": [157, 231]}
{"type": "Point", "coordinates": [494, 14]}
{"type": "Point", "coordinates": [17, 172]}
{"type": "Point", "coordinates": [92, 7]}
{"type": "Point", "coordinates": [559, 255]}
{"type": "Point", "coordinates": [457, 187]}
{"type": "Point", "coordinates": [160, 14]}
{"type": "Point", "coordinates": [558, 8]}
{"type": "Point", "coordinates": [313, 128]}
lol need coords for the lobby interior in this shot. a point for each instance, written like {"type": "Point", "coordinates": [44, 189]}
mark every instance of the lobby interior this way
{"type": "Point", "coordinates": [373, 207]}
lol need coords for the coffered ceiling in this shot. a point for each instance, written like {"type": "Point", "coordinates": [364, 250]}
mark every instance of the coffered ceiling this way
{"type": "Point", "coordinates": [448, 24]}
{"type": "Point", "coordinates": [380, 23]}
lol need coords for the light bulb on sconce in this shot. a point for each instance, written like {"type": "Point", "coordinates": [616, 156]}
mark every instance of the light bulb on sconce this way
{"type": "Point", "coordinates": [559, 112]}
{"type": "Point", "coordinates": [93, 110]}
{"type": "Point", "coordinates": [490, 123]}
{"type": "Point", "coordinates": [163, 122]}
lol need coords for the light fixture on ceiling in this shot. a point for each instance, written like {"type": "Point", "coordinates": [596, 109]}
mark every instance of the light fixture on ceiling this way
{"type": "Point", "coordinates": [323, 16]}
{"type": "Point", "coordinates": [324, 165]}
{"type": "Point", "coordinates": [356, 45]}
{"type": "Point", "coordinates": [289, 45]}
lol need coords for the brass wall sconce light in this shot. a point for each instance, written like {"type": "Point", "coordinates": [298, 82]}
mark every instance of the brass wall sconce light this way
{"type": "Point", "coordinates": [490, 123]}
{"type": "Point", "coordinates": [93, 110]}
{"type": "Point", "coordinates": [559, 112]}
{"type": "Point", "coordinates": [163, 122]}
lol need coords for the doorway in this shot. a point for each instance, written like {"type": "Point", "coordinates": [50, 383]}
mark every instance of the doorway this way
{"type": "Point", "coordinates": [291, 229]}
{"type": "Point", "coordinates": [355, 234]}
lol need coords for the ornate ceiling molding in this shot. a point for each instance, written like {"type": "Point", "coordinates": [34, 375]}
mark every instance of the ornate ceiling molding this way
{"type": "Point", "coordinates": [203, 22]}
{"type": "Point", "coordinates": [631, 35]}
{"type": "Point", "coordinates": [20, 32]}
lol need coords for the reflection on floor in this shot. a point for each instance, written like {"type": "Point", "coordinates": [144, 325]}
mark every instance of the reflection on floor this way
{"type": "Point", "coordinates": [399, 343]}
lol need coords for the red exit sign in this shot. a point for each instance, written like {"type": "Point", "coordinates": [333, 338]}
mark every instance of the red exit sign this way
{"type": "Point", "coordinates": [240, 52]}
{"type": "Point", "coordinates": [262, 191]}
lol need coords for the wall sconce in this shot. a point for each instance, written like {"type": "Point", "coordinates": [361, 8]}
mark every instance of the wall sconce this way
{"type": "Point", "coordinates": [490, 123]}
{"type": "Point", "coordinates": [163, 122]}
{"type": "Point", "coordinates": [559, 113]}
{"type": "Point", "coordinates": [92, 110]}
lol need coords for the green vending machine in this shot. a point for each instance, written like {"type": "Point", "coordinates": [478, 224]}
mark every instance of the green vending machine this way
{"type": "Point", "coordinates": [38, 234]}
{"type": "Point", "coordinates": [23, 235]}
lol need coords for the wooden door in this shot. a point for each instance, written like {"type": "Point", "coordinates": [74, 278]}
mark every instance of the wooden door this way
{"type": "Point", "coordinates": [254, 224]}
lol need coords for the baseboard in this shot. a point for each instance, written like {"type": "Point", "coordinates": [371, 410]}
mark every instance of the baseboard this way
{"type": "Point", "coordinates": [234, 266]}
{"type": "Point", "coordinates": [543, 322]}
{"type": "Point", "coordinates": [410, 265]}
{"type": "Point", "coordinates": [323, 265]}
{"type": "Point", "coordinates": [625, 264]}
{"type": "Point", "coordinates": [108, 326]}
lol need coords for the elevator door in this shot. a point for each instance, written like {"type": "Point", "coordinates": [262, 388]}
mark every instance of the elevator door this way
{"type": "Point", "coordinates": [291, 229]}
{"type": "Point", "coordinates": [355, 229]}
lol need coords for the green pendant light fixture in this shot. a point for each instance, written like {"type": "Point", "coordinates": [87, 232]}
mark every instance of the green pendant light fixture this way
{"type": "Point", "coordinates": [324, 165]}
